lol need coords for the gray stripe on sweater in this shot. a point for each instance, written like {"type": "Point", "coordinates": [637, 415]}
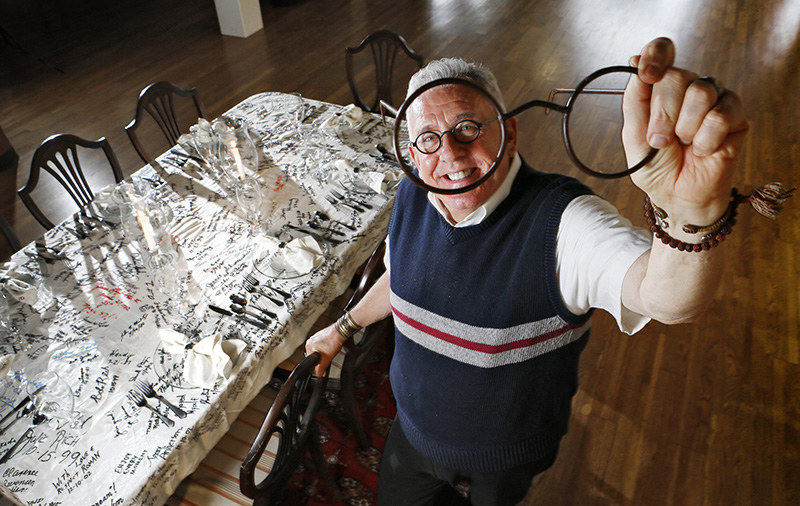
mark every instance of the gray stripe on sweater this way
{"type": "Point", "coordinates": [482, 335]}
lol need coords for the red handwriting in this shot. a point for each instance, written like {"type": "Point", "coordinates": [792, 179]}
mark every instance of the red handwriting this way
{"type": "Point", "coordinates": [279, 183]}
{"type": "Point", "coordinates": [110, 298]}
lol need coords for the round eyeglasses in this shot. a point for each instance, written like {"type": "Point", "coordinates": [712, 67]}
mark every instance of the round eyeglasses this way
{"type": "Point", "coordinates": [465, 131]}
{"type": "Point", "coordinates": [576, 132]}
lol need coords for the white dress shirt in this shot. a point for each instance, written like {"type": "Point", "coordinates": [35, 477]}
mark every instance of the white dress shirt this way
{"type": "Point", "coordinates": [595, 247]}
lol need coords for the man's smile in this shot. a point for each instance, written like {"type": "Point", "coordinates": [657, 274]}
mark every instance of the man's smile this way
{"type": "Point", "coordinates": [459, 177]}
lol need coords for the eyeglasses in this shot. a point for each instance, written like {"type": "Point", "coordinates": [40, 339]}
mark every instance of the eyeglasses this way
{"type": "Point", "coordinates": [465, 131]}
{"type": "Point", "coordinates": [431, 141]}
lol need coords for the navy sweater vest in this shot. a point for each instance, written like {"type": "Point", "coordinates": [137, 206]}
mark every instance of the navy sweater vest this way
{"type": "Point", "coordinates": [486, 355]}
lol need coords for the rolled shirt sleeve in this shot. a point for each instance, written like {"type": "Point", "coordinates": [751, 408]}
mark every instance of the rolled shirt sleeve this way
{"type": "Point", "coordinates": [595, 247]}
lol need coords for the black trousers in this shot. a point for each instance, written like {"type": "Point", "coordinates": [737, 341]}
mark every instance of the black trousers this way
{"type": "Point", "coordinates": [408, 478]}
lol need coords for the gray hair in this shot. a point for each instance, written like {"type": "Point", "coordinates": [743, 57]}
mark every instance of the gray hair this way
{"type": "Point", "coordinates": [458, 68]}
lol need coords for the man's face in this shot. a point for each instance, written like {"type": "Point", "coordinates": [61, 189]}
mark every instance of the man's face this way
{"type": "Point", "coordinates": [456, 164]}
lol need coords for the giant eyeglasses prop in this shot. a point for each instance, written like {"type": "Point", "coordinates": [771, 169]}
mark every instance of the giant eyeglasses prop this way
{"type": "Point", "coordinates": [583, 118]}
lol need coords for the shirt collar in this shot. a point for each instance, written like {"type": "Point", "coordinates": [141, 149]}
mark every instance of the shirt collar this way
{"type": "Point", "coordinates": [480, 214]}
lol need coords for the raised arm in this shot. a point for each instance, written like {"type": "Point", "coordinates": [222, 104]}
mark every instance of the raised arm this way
{"type": "Point", "coordinates": [698, 129]}
{"type": "Point", "coordinates": [373, 307]}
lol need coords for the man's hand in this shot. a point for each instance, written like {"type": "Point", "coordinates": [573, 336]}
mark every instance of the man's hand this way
{"type": "Point", "coordinates": [698, 134]}
{"type": "Point", "coordinates": [327, 342]}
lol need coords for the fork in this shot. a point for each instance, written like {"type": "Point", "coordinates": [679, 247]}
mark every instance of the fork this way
{"type": "Point", "coordinates": [322, 216]}
{"type": "Point", "coordinates": [148, 391]}
{"type": "Point", "coordinates": [334, 202]}
{"type": "Point", "coordinates": [138, 398]}
{"type": "Point", "coordinates": [36, 420]}
{"type": "Point", "coordinates": [252, 281]}
{"type": "Point", "coordinates": [342, 197]}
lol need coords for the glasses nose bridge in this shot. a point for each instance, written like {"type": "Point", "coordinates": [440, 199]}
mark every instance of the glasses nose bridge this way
{"type": "Point", "coordinates": [454, 142]}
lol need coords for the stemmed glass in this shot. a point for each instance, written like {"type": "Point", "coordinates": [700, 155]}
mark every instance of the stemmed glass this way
{"type": "Point", "coordinates": [238, 155]}
{"type": "Point", "coordinates": [250, 197]}
{"type": "Point", "coordinates": [206, 142]}
{"type": "Point", "coordinates": [52, 397]}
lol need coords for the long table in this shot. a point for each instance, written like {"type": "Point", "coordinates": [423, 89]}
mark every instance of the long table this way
{"type": "Point", "coordinates": [102, 333]}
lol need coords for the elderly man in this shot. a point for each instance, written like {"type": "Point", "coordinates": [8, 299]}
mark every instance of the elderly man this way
{"type": "Point", "coordinates": [491, 290]}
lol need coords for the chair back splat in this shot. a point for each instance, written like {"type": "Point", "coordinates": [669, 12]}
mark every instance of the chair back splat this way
{"type": "Point", "coordinates": [58, 155]}
{"type": "Point", "coordinates": [157, 101]}
{"type": "Point", "coordinates": [384, 45]}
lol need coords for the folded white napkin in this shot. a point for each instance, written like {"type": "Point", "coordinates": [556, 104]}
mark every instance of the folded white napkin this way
{"type": "Point", "coordinates": [266, 244]}
{"type": "Point", "coordinates": [172, 342]}
{"type": "Point", "coordinates": [353, 114]}
{"type": "Point", "coordinates": [349, 117]}
{"type": "Point", "coordinates": [209, 359]}
{"type": "Point", "coordinates": [18, 285]}
{"type": "Point", "coordinates": [301, 254]}
{"type": "Point", "coordinates": [380, 182]}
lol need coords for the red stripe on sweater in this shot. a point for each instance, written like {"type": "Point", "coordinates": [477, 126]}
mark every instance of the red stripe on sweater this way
{"type": "Point", "coordinates": [485, 348]}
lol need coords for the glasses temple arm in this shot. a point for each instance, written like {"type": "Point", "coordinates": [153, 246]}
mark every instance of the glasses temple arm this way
{"type": "Point", "coordinates": [535, 103]}
{"type": "Point", "coordinates": [385, 107]}
{"type": "Point", "coordinates": [591, 91]}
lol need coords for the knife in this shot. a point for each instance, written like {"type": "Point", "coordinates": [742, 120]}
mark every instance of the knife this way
{"type": "Point", "coordinates": [241, 318]}
{"type": "Point", "coordinates": [315, 235]}
{"type": "Point", "coordinates": [25, 412]}
{"type": "Point", "coordinates": [19, 406]}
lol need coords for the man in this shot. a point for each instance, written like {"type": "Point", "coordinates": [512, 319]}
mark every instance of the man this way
{"type": "Point", "coordinates": [491, 290]}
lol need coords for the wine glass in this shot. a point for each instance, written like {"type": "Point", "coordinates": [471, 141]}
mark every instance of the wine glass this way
{"type": "Point", "coordinates": [250, 197]}
{"type": "Point", "coordinates": [206, 142]}
{"type": "Point", "coordinates": [52, 396]}
{"type": "Point", "coordinates": [238, 155]}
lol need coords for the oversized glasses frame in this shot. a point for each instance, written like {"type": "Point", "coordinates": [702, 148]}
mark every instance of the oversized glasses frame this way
{"type": "Point", "coordinates": [566, 109]}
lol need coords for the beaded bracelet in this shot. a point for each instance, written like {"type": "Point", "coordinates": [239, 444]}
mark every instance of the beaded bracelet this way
{"type": "Point", "coordinates": [346, 326]}
{"type": "Point", "coordinates": [767, 201]}
{"type": "Point", "coordinates": [709, 240]}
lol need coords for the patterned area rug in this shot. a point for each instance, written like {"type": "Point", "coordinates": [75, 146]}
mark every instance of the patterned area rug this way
{"type": "Point", "coordinates": [355, 471]}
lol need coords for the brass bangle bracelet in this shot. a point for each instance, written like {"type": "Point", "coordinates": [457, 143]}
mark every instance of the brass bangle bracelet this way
{"type": "Point", "coordinates": [346, 326]}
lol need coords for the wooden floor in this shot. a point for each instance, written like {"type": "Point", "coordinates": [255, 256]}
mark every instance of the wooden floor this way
{"type": "Point", "coordinates": [701, 413]}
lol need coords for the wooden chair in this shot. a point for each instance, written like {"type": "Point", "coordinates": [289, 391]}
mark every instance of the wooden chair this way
{"type": "Point", "coordinates": [289, 429]}
{"type": "Point", "coordinates": [356, 351]}
{"type": "Point", "coordinates": [156, 99]}
{"type": "Point", "coordinates": [58, 155]}
{"type": "Point", "coordinates": [384, 45]}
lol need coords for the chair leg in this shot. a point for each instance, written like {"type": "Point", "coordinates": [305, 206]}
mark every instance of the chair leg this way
{"type": "Point", "coordinates": [347, 397]}
{"type": "Point", "coordinates": [322, 469]}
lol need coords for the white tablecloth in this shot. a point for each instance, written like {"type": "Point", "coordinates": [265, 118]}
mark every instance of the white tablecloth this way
{"type": "Point", "coordinates": [101, 335]}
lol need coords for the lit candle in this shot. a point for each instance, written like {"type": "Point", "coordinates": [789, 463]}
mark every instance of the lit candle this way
{"type": "Point", "coordinates": [237, 158]}
{"type": "Point", "coordinates": [145, 225]}
{"type": "Point", "coordinates": [147, 229]}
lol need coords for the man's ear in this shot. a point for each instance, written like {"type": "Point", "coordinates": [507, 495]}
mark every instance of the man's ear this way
{"type": "Point", "coordinates": [413, 154]}
{"type": "Point", "coordinates": [511, 137]}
